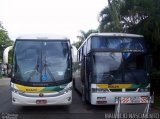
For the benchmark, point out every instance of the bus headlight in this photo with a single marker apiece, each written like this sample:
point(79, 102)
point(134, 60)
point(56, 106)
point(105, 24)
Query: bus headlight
point(143, 90)
point(99, 90)
point(17, 91)
point(66, 90)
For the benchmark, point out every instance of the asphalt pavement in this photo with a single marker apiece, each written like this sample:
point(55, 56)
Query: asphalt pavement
point(77, 110)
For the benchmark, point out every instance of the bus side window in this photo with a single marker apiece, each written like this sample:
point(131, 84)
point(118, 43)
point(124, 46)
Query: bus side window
point(84, 49)
point(88, 45)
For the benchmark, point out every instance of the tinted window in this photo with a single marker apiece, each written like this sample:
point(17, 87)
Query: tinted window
point(88, 45)
point(39, 61)
point(118, 43)
point(135, 68)
point(126, 67)
point(107, 67)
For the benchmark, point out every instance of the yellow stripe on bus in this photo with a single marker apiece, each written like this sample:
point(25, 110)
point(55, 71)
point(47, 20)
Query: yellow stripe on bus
point(28, 89)
point(114, 86)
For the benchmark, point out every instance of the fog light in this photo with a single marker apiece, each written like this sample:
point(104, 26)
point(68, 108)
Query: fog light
point(13, 99)
point(69, 98)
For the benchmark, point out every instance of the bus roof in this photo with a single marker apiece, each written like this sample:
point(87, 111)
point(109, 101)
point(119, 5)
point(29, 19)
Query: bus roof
point(116, 34)
point(41, 36)
point(111, 34)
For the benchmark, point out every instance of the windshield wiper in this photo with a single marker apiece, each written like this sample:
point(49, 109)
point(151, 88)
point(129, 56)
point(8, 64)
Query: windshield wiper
point(48, 70)
point(35, 70)
point(37, 65)
point(111, 79)
point(108, 77)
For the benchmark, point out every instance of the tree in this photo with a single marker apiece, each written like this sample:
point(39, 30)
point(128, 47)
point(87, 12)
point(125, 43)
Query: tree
point(83, 35)
point(120, 15)
point(77, 44)
point(4, 41)
point(134, 11)
point(142, 17)
point(109, 17)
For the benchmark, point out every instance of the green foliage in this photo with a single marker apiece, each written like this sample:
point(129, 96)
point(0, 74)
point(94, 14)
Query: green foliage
point(109, 17)
point(4, 41)
point(155, 82)
point(157, 102)
point(120, 15)
point(77, 44)
point(83, 35)
point(155, 75)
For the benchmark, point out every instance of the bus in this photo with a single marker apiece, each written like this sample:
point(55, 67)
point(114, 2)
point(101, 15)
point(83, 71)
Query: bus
point(111, 65)
point(41, 71)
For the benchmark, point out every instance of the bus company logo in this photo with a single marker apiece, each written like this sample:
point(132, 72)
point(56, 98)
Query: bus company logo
point(113, 86)
point(31, 89)
point(41, 95)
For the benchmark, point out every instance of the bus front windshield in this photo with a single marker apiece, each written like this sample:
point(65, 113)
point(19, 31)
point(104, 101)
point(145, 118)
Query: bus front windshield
point(118, 67)
point(41, 62)
point(106, 67)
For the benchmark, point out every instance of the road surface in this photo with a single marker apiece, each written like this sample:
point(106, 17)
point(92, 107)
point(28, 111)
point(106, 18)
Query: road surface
point(77, 110)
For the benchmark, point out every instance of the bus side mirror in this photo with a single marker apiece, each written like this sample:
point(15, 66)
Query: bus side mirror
point(149, 63)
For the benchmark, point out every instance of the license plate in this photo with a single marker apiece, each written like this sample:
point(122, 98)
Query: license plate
point(41, 102)
point(101, 102)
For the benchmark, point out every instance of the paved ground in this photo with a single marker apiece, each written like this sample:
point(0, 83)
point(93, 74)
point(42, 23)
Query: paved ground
point(77, 110)
point(4, 81)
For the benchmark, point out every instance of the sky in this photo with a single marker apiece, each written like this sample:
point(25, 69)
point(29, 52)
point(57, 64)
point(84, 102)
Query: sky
point(66, 17)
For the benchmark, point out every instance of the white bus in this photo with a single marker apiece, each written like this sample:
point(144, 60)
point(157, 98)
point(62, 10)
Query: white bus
point(42, 71)
point(111, 65)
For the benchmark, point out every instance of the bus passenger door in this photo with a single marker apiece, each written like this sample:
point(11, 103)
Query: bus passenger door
point(87, 77)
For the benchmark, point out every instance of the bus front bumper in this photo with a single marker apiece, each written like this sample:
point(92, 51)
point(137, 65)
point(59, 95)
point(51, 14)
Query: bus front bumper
point(110, 98)
point(64, 99)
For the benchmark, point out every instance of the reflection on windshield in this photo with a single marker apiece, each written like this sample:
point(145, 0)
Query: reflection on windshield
point(134, 67)
point(26, 58)
point(117, 43)
point(119, 68)
point(55, 61)
point(37, 61)
point(107, 67)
